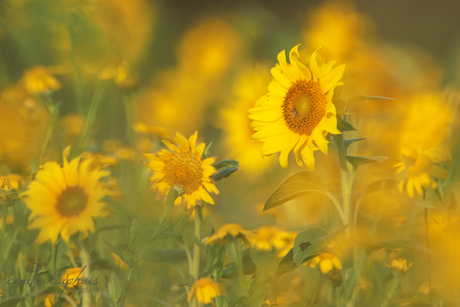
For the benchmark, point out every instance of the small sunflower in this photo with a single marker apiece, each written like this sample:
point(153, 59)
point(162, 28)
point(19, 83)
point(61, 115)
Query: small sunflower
point(420, 169)
point(297, 113)
point(204, 289)
point(326, 262)
point(229, 232)
point(64, 200)
point(39, 80)
point(399, 266)
point(183, 167)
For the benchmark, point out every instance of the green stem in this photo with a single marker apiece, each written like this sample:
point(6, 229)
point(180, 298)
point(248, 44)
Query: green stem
point(394, 288)
point(95, 102)
point(195, 269)
point(85, 260)
point(428, 247)
point(54, 115)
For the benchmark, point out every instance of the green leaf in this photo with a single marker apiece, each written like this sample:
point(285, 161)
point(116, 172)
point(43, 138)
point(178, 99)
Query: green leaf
point(295, 186)
point(114, 287)
point(206, 151)
point(215, 256)
point(356, 161)
point(343, 125)
point(197, 241)
point(310, 242)
point(347, 143)
point(133, 231)
point(169, 255)
point(225, 168)
point(380, 185)
point(286, 264)
point(122, 251)
point(355, 99)
point(231, 269)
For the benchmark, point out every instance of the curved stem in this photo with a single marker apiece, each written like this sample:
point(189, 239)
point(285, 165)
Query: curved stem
point(85, 259)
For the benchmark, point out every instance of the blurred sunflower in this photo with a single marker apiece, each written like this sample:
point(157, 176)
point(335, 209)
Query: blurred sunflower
point(248, 87)
point(204, 289)
point(420, 169)
point(229, 232)
point(297, 113)
point(39, 80)
point(326, 262)
point(183, 167)
point(65, 199)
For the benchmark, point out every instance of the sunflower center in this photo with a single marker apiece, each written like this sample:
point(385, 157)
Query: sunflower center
point(304, 106)
point(72, 201)
point(185, 170)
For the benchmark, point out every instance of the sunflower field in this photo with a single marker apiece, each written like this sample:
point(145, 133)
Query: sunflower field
point(254, 153)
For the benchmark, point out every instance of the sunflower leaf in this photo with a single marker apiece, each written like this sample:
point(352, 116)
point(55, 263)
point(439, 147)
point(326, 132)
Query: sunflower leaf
point(355, 99)
point(114, 287)
point(310, 242)
point(295, 186)
point(343, 125)
point(286, 264)
point(347, 143)
point(225, 168)
point(357, 161)
point(197, 241)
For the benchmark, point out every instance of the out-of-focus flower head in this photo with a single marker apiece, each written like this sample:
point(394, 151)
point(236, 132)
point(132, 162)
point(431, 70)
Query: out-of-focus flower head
point(182, 166)
point(268, 237)
point(399, 266)
point(72, 124)
point(23, 123)
point(297, 113)
point(71, 276)
point(229, 232)
point(153, 131)
point(419, 169)
point(39, 80)
point(204, 290)
point(326, 262)
point(249, 86)
point(179, 97)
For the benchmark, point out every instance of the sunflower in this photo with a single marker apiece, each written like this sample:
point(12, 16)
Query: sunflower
point(420, 169)
point(204, 289)
point(64, 200)
point(297, 113)
point(183, 167)
point(326, 263)
point(229, 232)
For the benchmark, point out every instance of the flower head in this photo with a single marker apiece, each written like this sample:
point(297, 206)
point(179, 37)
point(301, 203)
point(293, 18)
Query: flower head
point(38, 80)
point(326, 262)
point(5, 184)
point(182, 166)
point(204, 289)
point(64, 200)
point(399, 266)
point(229, 232)
point(297, 113)
point(71, 277)
point(420, 169)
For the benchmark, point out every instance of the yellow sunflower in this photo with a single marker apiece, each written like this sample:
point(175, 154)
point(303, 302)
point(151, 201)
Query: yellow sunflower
point(183, 167)
point(420, 169)
point(204, 289)
point(64, 200)
point(297, 113)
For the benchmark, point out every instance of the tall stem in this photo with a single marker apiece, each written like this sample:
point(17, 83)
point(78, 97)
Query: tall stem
point(195, 270)
point(85, 259)
point(427, 246)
